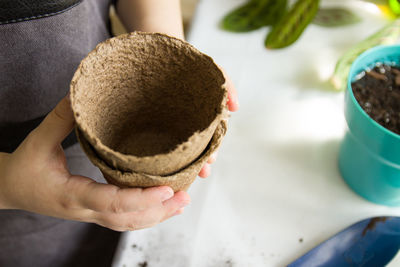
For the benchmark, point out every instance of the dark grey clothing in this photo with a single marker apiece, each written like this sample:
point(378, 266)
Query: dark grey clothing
point(37, 61)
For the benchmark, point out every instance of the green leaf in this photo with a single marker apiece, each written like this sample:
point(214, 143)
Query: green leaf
point(292, 24)
point(253, 15)
point(333, 17)
point(270, 12)
point(387, 35)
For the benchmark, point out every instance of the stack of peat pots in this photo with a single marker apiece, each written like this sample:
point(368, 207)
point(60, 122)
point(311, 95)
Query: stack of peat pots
point(150, 109)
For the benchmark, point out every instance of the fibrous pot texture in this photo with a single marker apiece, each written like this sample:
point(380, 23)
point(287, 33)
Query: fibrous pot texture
point(177, 181)
point(148, 103)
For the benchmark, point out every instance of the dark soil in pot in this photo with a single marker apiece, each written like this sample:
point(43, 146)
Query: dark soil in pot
point(378, 93)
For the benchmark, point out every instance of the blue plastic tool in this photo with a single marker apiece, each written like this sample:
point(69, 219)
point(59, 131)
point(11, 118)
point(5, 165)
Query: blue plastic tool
point(371, 242)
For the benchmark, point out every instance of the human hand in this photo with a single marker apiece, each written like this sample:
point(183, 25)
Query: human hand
point(35, 178)
point(233, 105)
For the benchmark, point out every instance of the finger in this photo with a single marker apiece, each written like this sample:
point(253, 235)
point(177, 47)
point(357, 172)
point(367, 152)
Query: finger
point(112, 199)
point(151, 217)
point(205, 171)
point(212, 158)
point(181, 199)
point(233, 103)
point(56, 126)
point(171, 207)
point(178, 212)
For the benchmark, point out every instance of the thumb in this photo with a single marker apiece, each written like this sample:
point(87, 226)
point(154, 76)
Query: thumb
point(57, 125)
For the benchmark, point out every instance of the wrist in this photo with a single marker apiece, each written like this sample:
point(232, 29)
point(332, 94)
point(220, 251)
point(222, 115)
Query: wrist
point(151, 16)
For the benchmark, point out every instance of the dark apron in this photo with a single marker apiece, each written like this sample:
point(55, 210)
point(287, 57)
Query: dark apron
point(41, 45)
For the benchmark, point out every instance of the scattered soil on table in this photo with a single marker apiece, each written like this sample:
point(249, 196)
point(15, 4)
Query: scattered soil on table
point(134, 246)
point(378, 93)
point(229, 263)
point(142, 264)
point(372, 224)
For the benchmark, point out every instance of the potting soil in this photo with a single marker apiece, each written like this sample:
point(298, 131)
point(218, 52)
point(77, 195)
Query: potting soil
point(378, 93)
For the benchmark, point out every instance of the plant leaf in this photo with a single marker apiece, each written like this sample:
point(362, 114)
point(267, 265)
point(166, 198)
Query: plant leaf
point(270, 12)
point(387, 35)
point(333, 17)
point(253, 15)
point(292, 24)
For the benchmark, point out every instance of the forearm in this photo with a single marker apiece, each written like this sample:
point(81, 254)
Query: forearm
point(151, 16)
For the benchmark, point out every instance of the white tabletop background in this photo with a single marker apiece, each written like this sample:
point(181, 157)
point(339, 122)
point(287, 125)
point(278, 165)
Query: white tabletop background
point(275, 191)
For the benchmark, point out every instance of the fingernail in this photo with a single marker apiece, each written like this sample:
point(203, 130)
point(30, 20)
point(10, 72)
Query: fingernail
point(214, 156)
point(68, 97)
point(178, 212)
point(237, 103)
point(167, 194)
point(185, 203)
point(236, 100)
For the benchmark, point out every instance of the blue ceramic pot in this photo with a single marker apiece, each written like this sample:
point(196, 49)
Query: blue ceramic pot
point(369, 157)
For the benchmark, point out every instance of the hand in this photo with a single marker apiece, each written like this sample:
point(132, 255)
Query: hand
point(233, 105)
point(35, 178)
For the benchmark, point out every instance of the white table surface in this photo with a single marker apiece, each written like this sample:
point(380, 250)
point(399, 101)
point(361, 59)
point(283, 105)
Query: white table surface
point(276, 180)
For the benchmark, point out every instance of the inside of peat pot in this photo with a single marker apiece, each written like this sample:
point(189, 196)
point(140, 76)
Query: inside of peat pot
point(148, 104)
point(378, 93)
